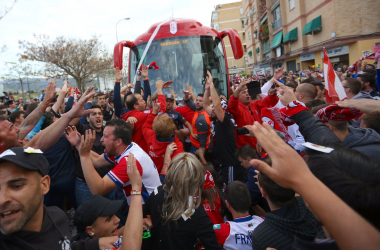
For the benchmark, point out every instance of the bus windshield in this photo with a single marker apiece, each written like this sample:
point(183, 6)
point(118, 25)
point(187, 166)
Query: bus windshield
point(185, 61)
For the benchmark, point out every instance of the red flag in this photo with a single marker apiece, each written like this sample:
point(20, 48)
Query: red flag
point(333, 85)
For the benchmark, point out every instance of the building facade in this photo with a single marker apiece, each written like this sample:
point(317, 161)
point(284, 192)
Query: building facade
point(293, 33)
point(231, 16)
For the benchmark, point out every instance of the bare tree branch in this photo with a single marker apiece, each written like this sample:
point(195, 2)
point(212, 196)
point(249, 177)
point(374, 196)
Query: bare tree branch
point(7, 10)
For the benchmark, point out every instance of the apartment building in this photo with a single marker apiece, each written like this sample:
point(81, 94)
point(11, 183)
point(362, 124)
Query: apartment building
point(230, 16)
point(293, 33)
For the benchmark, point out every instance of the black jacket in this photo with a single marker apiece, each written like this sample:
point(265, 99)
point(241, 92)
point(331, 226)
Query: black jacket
point(180, 234)
point(54, 234)
point(282, 225)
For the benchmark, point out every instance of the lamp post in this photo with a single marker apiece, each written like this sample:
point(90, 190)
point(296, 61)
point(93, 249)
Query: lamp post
point(127, 18)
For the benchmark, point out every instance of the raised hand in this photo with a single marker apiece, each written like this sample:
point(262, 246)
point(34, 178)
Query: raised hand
point(189, 88)
point(278, 73)
point(73, 136)
point(209, 80)
point(118, 74)
point(173, 93)
point(148, 102)
point(288, 168)
point(368, 106)
point(186, 95)
point(86, 143)
point(156, 108)
point(159, 85)
point(50, 91)
point(144, 72)
point(133, 172)
point(170, 148)
point(131, 120)
point(78, 110)
point(167, 85)
point(287, 94)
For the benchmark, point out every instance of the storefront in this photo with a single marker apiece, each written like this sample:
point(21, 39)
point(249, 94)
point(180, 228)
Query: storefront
point(339, 56)
point(307, 60)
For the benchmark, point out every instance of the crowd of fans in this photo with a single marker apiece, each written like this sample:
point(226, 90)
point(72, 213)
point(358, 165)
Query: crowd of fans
point(139, 170)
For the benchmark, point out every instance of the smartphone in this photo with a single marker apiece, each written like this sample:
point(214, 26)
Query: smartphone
point(254, 89)
point(242, 131)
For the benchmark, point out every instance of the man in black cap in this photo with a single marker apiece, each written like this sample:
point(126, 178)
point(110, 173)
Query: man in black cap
point(25, 223)
point(96, 218)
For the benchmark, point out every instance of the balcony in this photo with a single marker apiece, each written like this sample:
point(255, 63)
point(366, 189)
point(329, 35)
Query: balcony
point(262, 7)
point(277, 24)
point(266, 47)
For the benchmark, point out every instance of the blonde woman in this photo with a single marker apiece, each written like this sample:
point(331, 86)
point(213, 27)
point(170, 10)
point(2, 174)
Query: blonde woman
point(175, 209)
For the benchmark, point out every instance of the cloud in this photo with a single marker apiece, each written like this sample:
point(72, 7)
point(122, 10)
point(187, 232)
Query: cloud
point(84, 18)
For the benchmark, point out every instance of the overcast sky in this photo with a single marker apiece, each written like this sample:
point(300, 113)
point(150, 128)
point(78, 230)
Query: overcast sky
point(84, 18)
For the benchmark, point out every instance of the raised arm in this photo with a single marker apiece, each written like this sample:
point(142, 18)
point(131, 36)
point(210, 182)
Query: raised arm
point(289, 170)
point(206, 97)
point(49, 136)
point(61, 97)
point(32, 119)
point(96, 184)
point(219, 112)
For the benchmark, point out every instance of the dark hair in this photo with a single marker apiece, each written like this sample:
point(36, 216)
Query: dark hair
point(237, 195)
point(49, 119)
point(353, 177)
point(354, 84)
point(278, 195)
point(314, 103)
point(3, 118)
point(26, 106)
point(100, 94)
point(246, 151)
point(308, 80)
point(291, 85)
point(372, 121)
point(367, 77)
point(339, 125)
point(371, 65)
point(94, 106)
point(200, 95)
point(122, 130)
point(110, 99)
point(9, 102)
point(15, 115)
point(131, 101)
point(315, 109)
point(126, 95)
point(370, 71)
point(32, 107)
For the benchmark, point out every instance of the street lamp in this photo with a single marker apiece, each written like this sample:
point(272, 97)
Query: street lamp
point(127, 18)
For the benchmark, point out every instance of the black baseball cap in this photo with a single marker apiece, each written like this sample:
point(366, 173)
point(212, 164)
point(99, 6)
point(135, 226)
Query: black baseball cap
point(94, 207)
point(28, 158)
point(169, 96)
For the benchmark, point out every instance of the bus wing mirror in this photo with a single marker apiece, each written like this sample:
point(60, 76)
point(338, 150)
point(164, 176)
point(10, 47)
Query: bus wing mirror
point(233, 35)
point(118, 52)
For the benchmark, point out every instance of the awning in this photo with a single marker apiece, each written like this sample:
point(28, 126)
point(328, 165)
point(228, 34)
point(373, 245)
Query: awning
point(250, 53)
point(313, 25)
point(257, 50)
point(277, 39)
point(273, 8)
point(291, 35)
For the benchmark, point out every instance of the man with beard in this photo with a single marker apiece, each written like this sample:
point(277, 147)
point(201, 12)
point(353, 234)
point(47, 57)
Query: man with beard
point(95, 123)
point(200, 138)
point(224, 133)
point(117, 140)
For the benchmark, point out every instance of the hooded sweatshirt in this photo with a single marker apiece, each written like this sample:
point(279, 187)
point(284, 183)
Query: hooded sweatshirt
point(364, 140)
point(282, 225)
point(157, 145)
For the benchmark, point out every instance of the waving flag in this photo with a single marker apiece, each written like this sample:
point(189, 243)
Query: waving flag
point(333, 86)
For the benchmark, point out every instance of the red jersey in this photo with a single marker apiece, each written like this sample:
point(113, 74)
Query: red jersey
point(247, 116)
point(157, 149)
point(214, 214)
point(186, 112)
point(141, 116)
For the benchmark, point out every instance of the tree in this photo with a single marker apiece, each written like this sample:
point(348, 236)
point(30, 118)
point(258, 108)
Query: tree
point(21, 73)
point(7, 9)
point(81, 59)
